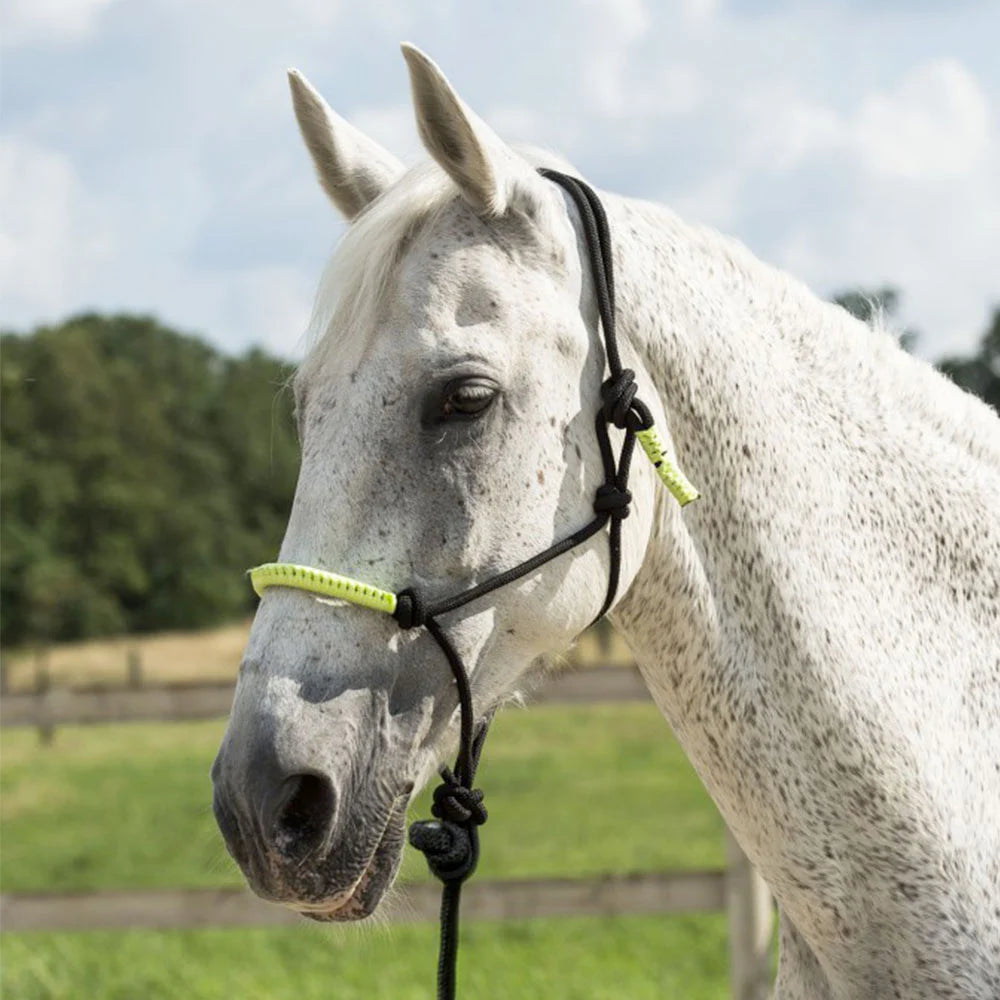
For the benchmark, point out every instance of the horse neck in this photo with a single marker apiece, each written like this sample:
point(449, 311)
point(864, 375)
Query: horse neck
point(798, 597)
point(691, 306)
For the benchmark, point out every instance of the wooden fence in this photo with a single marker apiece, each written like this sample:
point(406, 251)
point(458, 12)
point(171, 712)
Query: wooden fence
point(52, 707)
point(510, 899)
point(737, 890)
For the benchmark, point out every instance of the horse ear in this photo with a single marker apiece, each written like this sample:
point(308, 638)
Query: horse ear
point(484, 167)
point(352, 168)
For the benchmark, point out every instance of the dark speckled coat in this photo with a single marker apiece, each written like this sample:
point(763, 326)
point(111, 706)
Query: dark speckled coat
point(822, 629)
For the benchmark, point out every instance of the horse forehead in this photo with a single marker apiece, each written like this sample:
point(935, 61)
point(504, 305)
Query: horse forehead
point(440, 280)
point(462, 262)
point(473, 307)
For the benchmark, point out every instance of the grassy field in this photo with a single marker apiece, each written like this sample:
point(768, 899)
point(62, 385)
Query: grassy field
point(572, 791)
point(187, 658)
point(638, 958)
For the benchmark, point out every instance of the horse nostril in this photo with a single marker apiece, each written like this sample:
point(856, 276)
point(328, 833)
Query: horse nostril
point(306, 813)
point(230, 830)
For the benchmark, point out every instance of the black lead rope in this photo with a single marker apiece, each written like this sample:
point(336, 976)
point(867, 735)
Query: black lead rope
point(450, 841)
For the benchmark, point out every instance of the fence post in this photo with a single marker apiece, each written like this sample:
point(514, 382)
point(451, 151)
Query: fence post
point(750, 912)
point(43, 685)
point(134, 668)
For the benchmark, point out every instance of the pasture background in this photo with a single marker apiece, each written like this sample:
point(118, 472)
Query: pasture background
point(144, 471)
point(574, 791)
point(151, 184)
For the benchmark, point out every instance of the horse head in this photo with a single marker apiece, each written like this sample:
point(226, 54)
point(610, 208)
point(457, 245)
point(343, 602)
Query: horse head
point(446, 415)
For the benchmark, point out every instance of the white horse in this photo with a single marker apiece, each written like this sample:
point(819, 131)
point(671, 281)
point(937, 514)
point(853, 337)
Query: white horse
point(821, 630)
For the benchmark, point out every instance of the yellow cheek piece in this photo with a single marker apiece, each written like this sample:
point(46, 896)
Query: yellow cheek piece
point(319, 581)
point(455, 799)
point(669, 474)
point(344, 588)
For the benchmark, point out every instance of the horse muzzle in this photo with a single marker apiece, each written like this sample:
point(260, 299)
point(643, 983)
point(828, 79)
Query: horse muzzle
point(295, 847)
point(311, 802)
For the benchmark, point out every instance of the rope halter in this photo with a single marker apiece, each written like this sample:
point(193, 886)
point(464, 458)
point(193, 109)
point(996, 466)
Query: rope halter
point(450, 841)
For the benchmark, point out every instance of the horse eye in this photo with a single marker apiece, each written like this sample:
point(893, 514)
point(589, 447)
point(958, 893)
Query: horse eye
point(468, 398)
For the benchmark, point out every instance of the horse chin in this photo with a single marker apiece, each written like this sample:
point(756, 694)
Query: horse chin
point(361, 899)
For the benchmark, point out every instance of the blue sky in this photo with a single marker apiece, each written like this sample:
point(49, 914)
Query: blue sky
point(149, 158)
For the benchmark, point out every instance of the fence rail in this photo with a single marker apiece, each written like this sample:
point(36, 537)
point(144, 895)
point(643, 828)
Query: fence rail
point(610, 895)
point(737, 890)
point(64, 706)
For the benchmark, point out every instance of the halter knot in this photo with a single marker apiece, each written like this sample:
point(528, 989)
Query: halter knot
point(612, 500)
point(456, 803)
point(452, 851)
point(410, 610)
point(450, 843)
point(619, 404)
point(617, 393)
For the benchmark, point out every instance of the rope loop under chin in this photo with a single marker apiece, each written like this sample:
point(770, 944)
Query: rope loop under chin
point(450, 841)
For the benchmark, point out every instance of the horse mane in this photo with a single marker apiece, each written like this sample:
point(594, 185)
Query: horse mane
point(360, 272)
point(860, 363)
point(361, 268)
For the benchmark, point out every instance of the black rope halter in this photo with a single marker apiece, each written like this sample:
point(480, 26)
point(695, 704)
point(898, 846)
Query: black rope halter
point(450, 841)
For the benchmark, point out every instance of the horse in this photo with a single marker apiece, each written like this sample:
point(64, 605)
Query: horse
point(821, 629)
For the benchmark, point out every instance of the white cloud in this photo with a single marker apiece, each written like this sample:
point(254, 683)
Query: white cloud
point(900, 187)
point(391, 125)
point(629, 18)
point(321, 13)
point(934, 124)
point(50, 20)
point(948, 277)
point(924, 207)
point(52, 239)
point(271, 306)
point(714, 200)
point(156, 163)
point(789, 131)
point(617, 26)
point(663, 89)
point(700, 10)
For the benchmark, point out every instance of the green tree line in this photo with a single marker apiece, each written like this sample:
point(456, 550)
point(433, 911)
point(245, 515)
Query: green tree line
point(144, 471)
